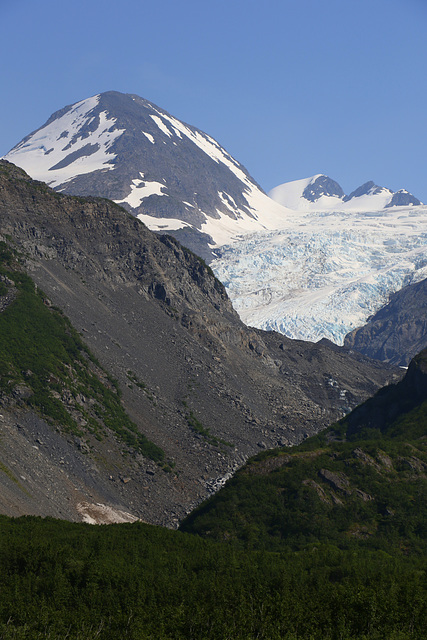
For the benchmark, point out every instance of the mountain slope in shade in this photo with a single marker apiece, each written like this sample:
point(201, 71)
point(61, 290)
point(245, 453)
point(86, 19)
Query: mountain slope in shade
point(170, 174)
point(361, 482)
point(398, 331)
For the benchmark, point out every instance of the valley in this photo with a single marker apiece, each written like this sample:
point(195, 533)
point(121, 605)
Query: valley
point(213, 321)
point(196, 382)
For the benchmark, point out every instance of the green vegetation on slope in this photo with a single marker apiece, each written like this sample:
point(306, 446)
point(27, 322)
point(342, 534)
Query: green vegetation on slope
point(65, 580)
point(326, 541)
point(45, 364)
point(362, 483)
point(365, 495)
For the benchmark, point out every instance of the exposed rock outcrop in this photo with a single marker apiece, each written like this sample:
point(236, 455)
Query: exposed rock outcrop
point(197, 382)
point(398, 331)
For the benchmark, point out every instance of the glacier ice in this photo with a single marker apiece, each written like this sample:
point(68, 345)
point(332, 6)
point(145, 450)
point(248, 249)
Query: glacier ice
point(327, 272)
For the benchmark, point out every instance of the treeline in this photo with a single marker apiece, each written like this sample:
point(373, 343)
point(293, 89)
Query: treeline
point(135, 581)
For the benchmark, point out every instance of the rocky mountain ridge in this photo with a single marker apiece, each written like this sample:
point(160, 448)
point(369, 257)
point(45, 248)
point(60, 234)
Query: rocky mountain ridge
point(321, 193)
point(197, 382)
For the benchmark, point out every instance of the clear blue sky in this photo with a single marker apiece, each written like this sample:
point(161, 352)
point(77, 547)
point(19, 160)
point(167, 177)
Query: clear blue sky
point(289, 88)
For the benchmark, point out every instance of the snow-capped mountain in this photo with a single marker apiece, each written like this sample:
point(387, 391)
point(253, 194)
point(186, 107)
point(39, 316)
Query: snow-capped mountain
point(321, 193)
point(308, 261)
point(336, 263)
point(171, 175)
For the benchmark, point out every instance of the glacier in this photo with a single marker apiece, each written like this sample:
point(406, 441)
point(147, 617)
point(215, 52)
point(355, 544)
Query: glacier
point(306, 260)
point(327, 272)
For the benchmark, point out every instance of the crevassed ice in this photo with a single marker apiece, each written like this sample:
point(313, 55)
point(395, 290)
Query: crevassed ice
point(325, 274)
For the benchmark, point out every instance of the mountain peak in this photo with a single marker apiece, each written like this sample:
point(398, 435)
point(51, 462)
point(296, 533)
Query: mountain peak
point(171, 175)
point(368, 188)
point(320, 186)
point(318, 190)
point(403, 198)
point(321, 193)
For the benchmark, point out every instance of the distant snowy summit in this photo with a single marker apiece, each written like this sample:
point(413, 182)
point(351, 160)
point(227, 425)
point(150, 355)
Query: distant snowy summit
point(309, 261)
point(321, 193)
point(174, 177)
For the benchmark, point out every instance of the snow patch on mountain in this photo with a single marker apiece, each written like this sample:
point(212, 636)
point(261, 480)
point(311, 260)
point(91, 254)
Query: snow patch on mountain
point(141, 189)
point(159, 122)
point(162, 224)
point(264, 214)
point(149, 136)
point(59, 152)
point(291, 192)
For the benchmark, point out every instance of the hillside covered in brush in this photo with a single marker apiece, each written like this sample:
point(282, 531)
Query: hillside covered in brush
point(362, 482)
point(326, 541)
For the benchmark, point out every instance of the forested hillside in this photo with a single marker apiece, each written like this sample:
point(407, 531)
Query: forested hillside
point(325, 541)
point(138, 582)
point(361, 483)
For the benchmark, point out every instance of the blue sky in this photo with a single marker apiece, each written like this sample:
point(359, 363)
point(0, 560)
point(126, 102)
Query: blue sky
point(289, 88)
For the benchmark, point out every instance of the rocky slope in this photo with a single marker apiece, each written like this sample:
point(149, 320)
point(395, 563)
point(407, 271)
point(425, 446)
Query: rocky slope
point(398, 331)
point(360, 483)
point(197, 382)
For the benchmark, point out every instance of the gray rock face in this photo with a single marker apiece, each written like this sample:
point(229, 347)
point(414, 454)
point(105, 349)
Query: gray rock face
point(323, 186)
point(337, 481)
point(193, 177)
point(208, 389)
point(366, 188)
point(403, 198)
point(398, 331)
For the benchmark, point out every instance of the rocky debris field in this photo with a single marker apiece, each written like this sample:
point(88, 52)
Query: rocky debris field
point(197, 382)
